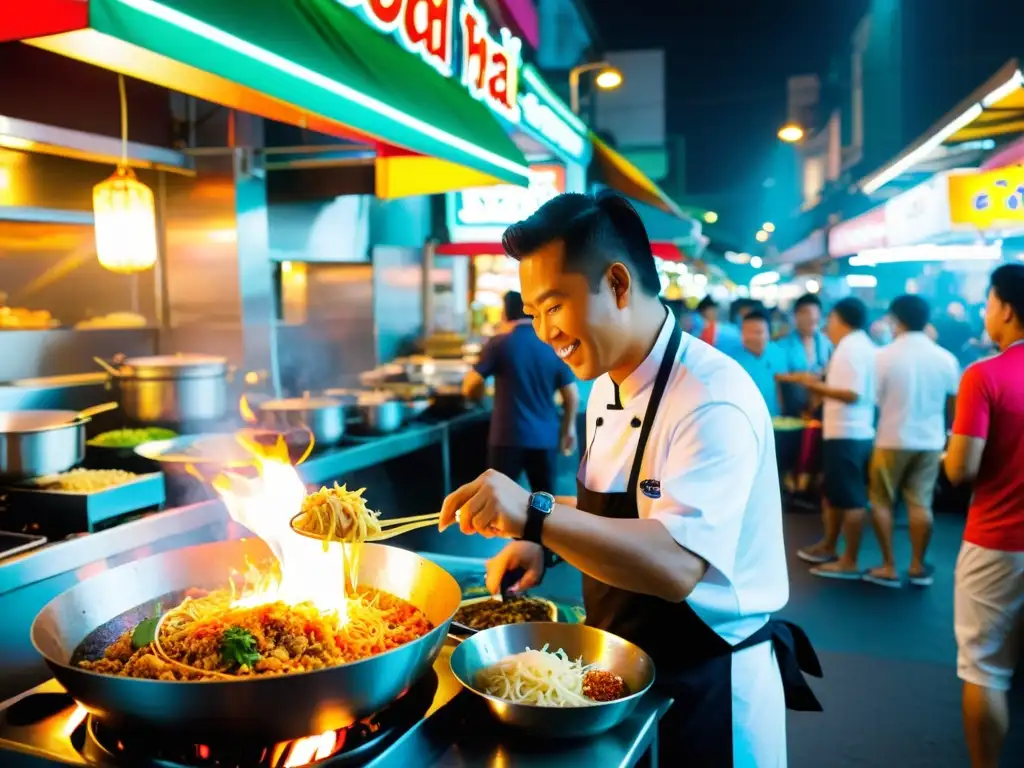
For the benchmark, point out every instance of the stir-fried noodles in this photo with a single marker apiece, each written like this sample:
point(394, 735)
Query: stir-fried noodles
point(206, 638)
point(545, 679)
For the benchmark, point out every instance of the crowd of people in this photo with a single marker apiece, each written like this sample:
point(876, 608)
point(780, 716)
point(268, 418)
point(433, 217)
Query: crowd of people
point(896, 412)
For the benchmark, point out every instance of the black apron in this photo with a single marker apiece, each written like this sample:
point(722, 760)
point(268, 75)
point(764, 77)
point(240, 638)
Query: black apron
point(693, 662)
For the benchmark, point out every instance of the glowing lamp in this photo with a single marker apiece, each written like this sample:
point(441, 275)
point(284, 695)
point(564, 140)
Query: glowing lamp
point(608, 79)
point(791, 133)
point(710, 217)
point(125, 223)
point(761, 236)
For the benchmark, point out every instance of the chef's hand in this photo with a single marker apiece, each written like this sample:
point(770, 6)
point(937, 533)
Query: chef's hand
point(523, 555)
point(492, 505)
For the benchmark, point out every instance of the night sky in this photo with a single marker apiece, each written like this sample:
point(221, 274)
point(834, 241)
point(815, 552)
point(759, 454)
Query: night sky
point(728, 60)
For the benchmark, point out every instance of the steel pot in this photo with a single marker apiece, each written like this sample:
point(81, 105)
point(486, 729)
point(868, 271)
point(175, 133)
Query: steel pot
point(323, 416)
point(378, 414)
point(37, 443)
point(173, 389)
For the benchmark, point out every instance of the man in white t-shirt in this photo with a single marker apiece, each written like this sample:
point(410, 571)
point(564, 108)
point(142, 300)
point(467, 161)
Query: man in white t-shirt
point(848, 430)
point(677, 523)
point(916, 379)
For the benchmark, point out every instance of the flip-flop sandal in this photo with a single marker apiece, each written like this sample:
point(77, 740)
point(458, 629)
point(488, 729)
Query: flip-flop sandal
point(923, 578)
point(893, 582)
point(827, 573)
point(813, 557)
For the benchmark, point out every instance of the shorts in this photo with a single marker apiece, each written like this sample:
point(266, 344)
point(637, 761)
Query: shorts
point(845, 464)
point(988, 603)
point(914, 474)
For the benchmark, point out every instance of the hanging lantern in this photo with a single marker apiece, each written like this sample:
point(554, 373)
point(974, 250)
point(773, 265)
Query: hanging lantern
point(125, 223)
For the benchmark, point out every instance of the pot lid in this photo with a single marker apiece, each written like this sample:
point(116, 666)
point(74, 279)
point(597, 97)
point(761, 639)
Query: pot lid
point(178, 366)
point(16, 422)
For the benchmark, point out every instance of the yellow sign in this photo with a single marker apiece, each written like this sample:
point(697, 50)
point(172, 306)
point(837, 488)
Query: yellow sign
point(988, 200)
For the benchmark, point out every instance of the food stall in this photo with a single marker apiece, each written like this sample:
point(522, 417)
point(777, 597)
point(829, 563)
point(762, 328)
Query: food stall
point(230, 110)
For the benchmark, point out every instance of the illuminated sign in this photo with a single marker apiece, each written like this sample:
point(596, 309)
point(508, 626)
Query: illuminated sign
point(990, 200)
point(490, 68)
point(423, 27)
point(858, 234)
point(483, 213)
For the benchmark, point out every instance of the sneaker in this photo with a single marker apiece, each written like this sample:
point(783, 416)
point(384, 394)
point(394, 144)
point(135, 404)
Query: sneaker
point(924, 577)
point(814, 558)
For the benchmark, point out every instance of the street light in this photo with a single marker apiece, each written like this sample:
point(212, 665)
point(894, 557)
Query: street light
point(761, 236)
point(710, 217)
point(791, 133)
point(768, 227)
point(607, 79)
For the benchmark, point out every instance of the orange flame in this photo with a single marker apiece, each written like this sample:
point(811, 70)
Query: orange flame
point(248, 416)
point(311, 749)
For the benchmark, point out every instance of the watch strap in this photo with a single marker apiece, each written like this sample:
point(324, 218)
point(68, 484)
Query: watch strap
point(534, 524)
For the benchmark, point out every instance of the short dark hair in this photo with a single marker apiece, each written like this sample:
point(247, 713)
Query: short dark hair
point(807, 300)
point(513, 302)
point(852, 311)
point(1007, 283)
point(597, 231)
point(911, 311)
point(758, 315)
point(707, 303)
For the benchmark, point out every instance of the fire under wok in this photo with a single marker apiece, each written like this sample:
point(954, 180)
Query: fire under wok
point(83, 621)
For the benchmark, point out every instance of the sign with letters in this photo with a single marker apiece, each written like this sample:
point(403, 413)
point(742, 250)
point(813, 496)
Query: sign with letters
point(483, 213)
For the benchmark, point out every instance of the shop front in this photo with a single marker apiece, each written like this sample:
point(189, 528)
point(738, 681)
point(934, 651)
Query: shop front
point(377, 95)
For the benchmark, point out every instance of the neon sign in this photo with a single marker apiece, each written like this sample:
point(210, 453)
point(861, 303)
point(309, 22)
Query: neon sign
point(482, 214)
point(423, 27)
point(490, 68)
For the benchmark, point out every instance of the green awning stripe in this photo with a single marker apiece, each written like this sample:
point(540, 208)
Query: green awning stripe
point(319, 56)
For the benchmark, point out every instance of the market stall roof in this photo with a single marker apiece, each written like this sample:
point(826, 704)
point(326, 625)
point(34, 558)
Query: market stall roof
point(663, 250)
point(620, 174)
point(993, 112)
point(311, 63)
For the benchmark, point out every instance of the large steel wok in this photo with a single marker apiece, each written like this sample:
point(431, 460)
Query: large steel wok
point(281, 707)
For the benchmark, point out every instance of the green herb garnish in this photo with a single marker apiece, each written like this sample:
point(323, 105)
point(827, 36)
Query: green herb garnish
point(130, 438)
point(145, 631)
point(238, 647)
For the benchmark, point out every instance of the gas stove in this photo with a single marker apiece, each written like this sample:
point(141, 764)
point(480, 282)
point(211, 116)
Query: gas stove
point(45, 727)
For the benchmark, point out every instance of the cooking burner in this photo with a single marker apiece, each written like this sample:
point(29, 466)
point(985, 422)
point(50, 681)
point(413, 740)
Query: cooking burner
point(105, 744)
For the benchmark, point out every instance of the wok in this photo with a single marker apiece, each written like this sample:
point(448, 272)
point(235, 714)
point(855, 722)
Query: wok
point(96, 611)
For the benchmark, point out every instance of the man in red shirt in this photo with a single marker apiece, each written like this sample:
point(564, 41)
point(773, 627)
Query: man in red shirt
point(987, 449)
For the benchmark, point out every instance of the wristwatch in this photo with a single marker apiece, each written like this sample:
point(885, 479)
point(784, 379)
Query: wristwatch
point(537, 512)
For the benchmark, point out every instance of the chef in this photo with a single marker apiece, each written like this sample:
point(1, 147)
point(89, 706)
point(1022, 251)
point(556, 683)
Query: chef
point(677, 523)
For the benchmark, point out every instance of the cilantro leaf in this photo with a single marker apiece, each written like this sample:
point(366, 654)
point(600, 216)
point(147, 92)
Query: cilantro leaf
point(145, 631)
point(238, 647)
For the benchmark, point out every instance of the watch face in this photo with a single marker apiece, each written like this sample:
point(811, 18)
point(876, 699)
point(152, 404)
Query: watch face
point(542, 502)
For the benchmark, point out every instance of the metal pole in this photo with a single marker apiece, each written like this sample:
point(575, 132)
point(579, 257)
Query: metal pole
point(574, 90)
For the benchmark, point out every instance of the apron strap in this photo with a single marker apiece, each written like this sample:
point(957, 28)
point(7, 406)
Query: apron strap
point(796, 657)
point(660, 382)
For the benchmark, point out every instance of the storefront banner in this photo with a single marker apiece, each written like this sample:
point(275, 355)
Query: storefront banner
point(858, 234)
point(919, 214)
point(453, 36)
point(455, 44)
point(992, 200)
point(485, 212)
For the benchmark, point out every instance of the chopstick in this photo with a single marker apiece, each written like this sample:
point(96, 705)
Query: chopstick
point(391, 527)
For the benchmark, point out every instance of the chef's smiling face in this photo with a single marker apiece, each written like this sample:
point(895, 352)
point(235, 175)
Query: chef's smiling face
point(587, 327)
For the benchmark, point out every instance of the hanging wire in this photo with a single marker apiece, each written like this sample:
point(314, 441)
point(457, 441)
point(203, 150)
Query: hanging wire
point(124, 120)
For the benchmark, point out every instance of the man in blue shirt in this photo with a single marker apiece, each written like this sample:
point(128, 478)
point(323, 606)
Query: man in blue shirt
point(806, 348)
point(762, 359)
point(526, 430)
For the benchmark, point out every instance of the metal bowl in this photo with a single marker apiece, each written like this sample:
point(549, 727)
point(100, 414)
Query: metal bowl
point(37, 443)
point(594, 646)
